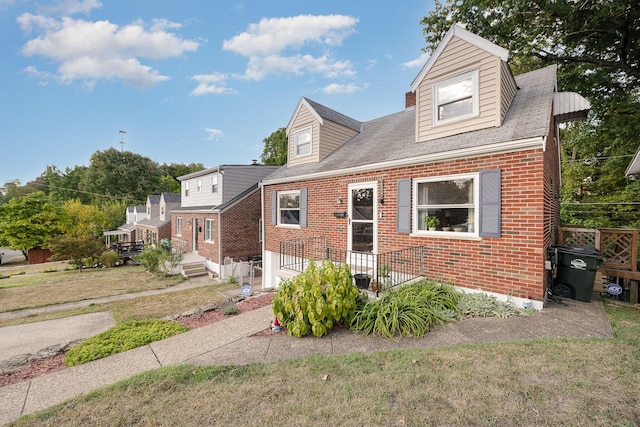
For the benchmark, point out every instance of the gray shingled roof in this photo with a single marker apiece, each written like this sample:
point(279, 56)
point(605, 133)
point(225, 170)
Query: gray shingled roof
point(392, 137)
point(334, 116)
point(171, 197)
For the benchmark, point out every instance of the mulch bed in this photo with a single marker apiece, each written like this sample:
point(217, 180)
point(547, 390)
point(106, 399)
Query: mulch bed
point(54, 363)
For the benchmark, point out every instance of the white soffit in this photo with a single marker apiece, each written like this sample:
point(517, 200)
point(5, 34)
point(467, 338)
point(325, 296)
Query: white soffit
point(634, 166)
point(569, 106)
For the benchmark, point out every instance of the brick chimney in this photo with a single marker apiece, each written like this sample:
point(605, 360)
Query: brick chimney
point(409, 99)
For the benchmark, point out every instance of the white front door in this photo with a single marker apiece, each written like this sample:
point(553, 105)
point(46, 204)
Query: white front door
point(363, 211)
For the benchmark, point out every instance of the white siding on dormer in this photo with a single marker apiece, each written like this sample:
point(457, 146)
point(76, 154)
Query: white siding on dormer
point(332, 136)
point(205, 197)
point(508, 89)
point(459, 57)
point(303, 120)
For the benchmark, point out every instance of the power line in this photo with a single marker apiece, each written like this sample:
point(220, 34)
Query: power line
point(124, 199)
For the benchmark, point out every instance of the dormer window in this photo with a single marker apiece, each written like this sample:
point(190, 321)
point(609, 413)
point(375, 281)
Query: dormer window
point(303, 142)
point(186, 189)
point(455, 98)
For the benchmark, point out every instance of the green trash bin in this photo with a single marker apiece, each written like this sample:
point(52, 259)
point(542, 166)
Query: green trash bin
point(577, 267)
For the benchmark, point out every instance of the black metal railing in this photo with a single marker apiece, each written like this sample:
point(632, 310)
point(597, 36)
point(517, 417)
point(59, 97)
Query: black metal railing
point(370, 270)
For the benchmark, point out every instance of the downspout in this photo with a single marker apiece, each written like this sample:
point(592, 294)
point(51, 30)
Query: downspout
point(263, 250)
point(220, 243)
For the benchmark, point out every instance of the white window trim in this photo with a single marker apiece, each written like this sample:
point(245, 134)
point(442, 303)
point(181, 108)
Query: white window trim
point(416, 232)
point(179, 226)
point(199, 186)
point(295, 142)
point(212, 230)
point(186, 189)
point(278, 223)
point(450, 81)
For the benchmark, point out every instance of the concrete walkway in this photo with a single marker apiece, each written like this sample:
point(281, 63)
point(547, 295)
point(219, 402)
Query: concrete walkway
point(234, 342)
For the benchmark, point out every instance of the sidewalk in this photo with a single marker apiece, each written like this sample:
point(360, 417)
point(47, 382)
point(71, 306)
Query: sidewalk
point(234, 341)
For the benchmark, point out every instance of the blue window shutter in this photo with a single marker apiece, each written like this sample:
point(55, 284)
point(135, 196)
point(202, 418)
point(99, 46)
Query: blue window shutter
point(403, 224)
point(303, 207)
point(274, 207)
point(490, 203)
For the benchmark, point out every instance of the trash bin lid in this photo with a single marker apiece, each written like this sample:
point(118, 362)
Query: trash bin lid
point(580, 250)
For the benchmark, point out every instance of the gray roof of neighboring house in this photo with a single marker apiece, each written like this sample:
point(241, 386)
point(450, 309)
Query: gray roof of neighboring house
point(171, 197)
point(154, 199)
point(155, 222)
point(220, 168)
point(392, 137)
point(219, 207)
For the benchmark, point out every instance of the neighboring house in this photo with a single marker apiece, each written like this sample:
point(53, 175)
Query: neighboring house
point(474, 147)
point(220, 213)
point(126, 233)
point(157, 223)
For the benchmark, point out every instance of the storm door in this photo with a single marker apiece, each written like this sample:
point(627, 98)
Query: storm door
point(362, 218)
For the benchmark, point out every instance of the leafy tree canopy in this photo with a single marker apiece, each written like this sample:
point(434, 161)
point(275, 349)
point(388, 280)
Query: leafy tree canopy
point(276, 147)
point(27, 222)
point(596, 45)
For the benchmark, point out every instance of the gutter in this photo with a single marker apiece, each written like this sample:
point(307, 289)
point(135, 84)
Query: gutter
point(484, 150)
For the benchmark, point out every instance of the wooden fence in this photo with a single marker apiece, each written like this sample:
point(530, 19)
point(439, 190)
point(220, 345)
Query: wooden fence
point(618, 247)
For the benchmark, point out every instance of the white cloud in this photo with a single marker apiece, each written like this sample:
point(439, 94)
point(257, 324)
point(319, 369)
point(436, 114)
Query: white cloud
point(214, 134)
point(70, 7)
point(42, 76)
point(100, 50)
point(211, 84)
point(336, 88)
point(416, 63)
point(273, 45)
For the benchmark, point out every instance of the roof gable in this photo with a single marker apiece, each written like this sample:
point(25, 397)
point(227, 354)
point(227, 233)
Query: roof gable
point(457, 31)
point(320, 113)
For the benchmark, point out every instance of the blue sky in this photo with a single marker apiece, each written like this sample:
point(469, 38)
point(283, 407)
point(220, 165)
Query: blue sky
point(190, 81)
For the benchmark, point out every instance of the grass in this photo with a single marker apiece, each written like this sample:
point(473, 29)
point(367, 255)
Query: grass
point(139, 308)
point(553, 382)
point(42, 289)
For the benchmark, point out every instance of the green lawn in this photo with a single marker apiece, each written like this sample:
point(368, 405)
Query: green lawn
point(554, 382)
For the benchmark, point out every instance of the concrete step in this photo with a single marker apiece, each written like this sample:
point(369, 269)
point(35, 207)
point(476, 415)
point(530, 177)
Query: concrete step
point(194, 269)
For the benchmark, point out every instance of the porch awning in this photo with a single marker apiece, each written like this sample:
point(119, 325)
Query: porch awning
point(570, 106)
point(116, 233)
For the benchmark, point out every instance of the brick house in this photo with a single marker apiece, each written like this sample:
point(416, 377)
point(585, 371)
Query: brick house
point(157, 223)
point(475, 147)
point(220, 213)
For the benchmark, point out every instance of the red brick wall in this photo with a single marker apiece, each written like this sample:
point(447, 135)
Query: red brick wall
point(512, 264)
point(240, 229)
point(237, 227)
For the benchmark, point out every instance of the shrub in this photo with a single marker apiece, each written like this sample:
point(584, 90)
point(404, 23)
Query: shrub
point(484, 305)
point(412, 310)
point(126, 336)
point(231, 309)
point(109, 258)
point(316, 300)
point(159, 260)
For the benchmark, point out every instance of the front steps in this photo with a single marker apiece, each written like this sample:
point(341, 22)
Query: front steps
point(194, 269)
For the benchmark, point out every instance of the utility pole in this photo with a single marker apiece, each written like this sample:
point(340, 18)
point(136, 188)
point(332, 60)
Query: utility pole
point(122, 132)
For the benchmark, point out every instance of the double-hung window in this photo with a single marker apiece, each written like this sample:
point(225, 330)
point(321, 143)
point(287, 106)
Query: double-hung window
point(179, 226)
point(449, 202)
point(214, 184)
point(199, 186)
point(208, 230)
point(303, 142)
point(455, 98)
point(186, 189)
point(289, 208)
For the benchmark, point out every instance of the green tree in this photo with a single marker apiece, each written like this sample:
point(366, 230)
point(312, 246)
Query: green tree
point(170, 173)
point(27, 222)
point(276, 148)
point(82, 219)
point(595, 45)
point(81, 249)
point(120, 175)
